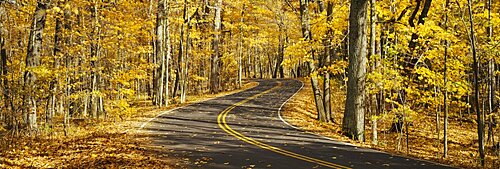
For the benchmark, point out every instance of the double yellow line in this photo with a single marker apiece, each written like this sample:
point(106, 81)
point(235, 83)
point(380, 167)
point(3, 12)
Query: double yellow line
point(221, 120)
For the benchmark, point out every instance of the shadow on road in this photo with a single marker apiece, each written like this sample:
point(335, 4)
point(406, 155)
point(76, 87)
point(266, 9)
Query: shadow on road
point(193, 132)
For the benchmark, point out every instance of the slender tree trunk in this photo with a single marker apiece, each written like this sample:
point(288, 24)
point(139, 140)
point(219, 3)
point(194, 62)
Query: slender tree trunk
point(480, 117)
point(166, 36)
point(353, 122)
point(240, 46)
point(307, 34)
point(184, 61)
point(373, 34)
point(445, 101)
point(491, 79)
point(438, 130)
point(278, 70)
point(281, 49)
point(67, 64)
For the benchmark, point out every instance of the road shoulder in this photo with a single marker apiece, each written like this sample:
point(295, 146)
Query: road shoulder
point(300, 113)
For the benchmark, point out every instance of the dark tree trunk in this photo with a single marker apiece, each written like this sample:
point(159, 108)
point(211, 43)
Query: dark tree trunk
point(4, 70)
point(475, 67)
point(214, 78)
point(353, 122)
point(33, 60)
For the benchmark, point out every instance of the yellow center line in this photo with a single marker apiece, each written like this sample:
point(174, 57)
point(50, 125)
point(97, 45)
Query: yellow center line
point(221, 120)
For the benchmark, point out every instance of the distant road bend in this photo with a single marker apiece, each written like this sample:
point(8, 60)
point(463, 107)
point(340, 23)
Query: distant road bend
point(243, 130)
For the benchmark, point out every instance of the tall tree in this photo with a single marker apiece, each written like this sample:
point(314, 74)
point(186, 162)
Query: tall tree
point(214, 72)
point(240, 46)
point(183, 59)
point(475, 67)
point(373, 35)
point(354, 115)
point(329, 52)
point(162, 53)
point(95, 94)
point(307, 35)
point(445, 79)
point(54, 86)
point(3, 67)
point(33, 60)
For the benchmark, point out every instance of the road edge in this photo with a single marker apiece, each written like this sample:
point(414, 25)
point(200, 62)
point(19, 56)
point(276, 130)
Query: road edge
point(298, 128)
point(349, 144)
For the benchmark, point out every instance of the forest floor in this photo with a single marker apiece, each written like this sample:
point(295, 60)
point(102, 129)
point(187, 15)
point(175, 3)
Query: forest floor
point(91, 143)
point(423, 144)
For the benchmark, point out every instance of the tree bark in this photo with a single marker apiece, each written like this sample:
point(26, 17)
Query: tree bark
point(184, 61)
point(307, 35)
point(94, 52)
point(161, 56)
point(329, 52)
point(33, 60)
point(480, 117)
point(4, 70)
point(67, 64)
point(445, 79)
point(240, 49)
point(373, 34)
point(321, 5)
point(54, 88)
point(166, 37)
point(353, 122)
point(214, 78)
point(281, 51)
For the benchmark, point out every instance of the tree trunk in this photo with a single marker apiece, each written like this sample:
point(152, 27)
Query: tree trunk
point(307, 34)
point(353, 122)
point(162, 52)
point(4, 71)
point(94, 52)
point(33, 60)
point(240, 47)
point(281, 50)
point(321, 5)
point(166, 37)
point(445, 78)
point(329, 52)
point(480, 117)
point(278, 70)
point(214, 78)
point(373, 34)
point(184, 61)
point(67, 64)
point(52, 104)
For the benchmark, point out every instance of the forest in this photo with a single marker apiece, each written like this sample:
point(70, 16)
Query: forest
point(395, 61)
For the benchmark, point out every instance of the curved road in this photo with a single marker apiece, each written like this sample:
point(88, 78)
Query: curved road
point(243, 130)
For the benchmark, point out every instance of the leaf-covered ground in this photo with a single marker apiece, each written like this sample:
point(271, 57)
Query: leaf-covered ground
point(102, 146)
point(423, 144)
point(95, 144)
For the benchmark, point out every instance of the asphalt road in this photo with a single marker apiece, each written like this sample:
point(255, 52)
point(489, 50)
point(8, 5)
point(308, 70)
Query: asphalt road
point(243, 130)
